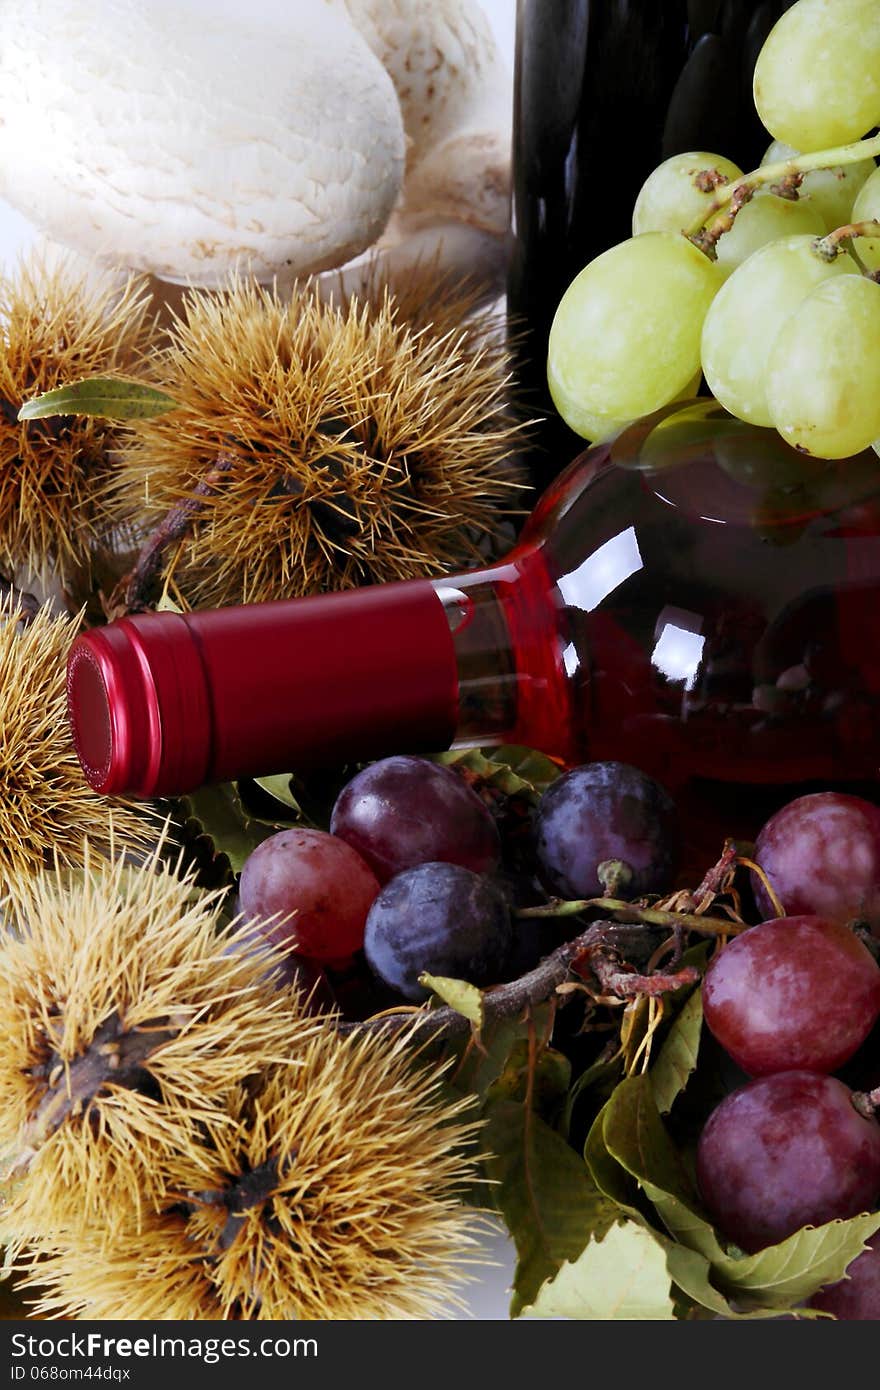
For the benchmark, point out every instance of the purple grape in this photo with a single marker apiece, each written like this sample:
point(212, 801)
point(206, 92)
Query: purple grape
point(821, 854)
point(855, 1297)
point(440, 918)
point(405, 811)
point(764, 993)
point(787, 1151)
point(318, 879)
point(603, 811)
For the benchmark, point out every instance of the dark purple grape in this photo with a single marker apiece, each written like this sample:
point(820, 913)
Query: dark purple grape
point(856, 1297)
point(821, 854)
point(319, 879)
point(441, 918)
point(603, 811)
point(787, 1151)
point(798, 993)
point(405, 811)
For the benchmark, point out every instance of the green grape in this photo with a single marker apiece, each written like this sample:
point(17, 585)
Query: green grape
point(766, 218)
point(823, 372)
point(747, 314)
point(598, 429)
point(626, 336)
point(672, 198)
point(832, 192)
point(817, 78)
point(867, 209)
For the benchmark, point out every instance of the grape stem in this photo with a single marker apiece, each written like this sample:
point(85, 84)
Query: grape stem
point(632, 912)
point(135, 587)
point(788, 174)
point(830, 247)
point(867, 1102)
point(601, 945)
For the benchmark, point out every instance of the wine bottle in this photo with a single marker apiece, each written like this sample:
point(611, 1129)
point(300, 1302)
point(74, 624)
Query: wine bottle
point(602, 94)
point(694, 597)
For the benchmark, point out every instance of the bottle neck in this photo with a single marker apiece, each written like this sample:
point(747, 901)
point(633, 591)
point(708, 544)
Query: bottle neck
point(161, 703)
point(512, 685)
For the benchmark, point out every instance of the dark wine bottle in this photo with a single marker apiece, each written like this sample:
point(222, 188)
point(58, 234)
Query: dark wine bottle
point(604, 91)
point(695, 598)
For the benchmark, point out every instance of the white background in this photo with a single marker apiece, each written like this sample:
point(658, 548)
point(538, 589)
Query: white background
point(488, 1297)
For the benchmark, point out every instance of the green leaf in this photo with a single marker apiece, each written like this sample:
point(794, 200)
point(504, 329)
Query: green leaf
point(545, 1194)
point(464, 998)
point(166, 604)
point(777, 1277)
point(622, 1276)
point(677, 1058)
point(692, 1275)
point(107, 397)
point(635, 1135)
point(550, 1079)
point(598, 1075)
point(794, 1269)
point(278, 787)
point(217, 812)
point(479, 1066)
point(611, 1179)
point(512, 770)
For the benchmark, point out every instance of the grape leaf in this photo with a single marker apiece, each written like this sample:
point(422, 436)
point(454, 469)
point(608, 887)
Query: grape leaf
point(789, 1272)
point(278, 786)
point(777, 1277)
point(512, 770)
point(217, 811)
point(677, 1058)
point(635, 1135)
point(465, 998)
point(544, 1192)
point(106, 397)
point(622, 1276)
point(612, 1180)
point(550, 1079)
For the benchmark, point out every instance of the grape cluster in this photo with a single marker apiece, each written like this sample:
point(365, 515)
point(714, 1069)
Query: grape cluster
point(412, 871)
point(414, 877)
point(791, 1000)
point(763, 282)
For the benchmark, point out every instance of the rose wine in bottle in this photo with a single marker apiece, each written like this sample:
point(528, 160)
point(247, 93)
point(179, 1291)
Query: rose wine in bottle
point(603, 93)
point(695, 598)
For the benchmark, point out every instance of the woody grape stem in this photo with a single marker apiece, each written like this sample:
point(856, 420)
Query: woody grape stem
point(172, 529)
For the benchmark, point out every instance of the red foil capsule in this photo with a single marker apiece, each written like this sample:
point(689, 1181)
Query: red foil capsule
point(161, 703)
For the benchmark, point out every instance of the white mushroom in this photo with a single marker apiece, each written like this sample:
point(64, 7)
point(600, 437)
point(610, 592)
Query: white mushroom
point(455, 93)
point(190, 139)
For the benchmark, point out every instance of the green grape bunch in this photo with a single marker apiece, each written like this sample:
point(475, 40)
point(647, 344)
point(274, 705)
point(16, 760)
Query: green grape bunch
point(767, 284)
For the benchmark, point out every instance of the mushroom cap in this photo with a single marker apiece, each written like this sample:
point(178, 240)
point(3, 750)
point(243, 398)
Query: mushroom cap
point(445, 65)
point(192, 139)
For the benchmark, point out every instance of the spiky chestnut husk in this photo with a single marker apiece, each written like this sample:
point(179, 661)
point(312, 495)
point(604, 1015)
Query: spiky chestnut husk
point(332, 1194)
point(47, 809)
point(127, 1017)
point(363, 450)
point(58, 325)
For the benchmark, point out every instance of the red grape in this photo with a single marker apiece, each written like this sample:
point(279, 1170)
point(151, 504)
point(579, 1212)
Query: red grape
point(320, 879)
point(439, 918)
point(798, 993)
point(787, 1151)
point(821, 854)
point(404, 811)
point(603, 811)
point(856, 1297)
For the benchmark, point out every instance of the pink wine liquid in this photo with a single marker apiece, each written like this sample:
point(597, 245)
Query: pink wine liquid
point(696, 599)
